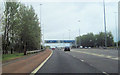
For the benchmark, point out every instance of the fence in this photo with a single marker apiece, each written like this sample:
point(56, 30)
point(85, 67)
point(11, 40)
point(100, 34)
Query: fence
point(34, 51)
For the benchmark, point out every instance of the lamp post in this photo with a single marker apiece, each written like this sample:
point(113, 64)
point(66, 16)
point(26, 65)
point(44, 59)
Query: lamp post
point(43, 35)
point(79, 34)
point(105, 24)
point(40, 25)
point(76, 42)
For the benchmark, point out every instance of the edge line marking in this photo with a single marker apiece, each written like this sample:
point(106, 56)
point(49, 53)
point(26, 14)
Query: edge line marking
point(36, 69)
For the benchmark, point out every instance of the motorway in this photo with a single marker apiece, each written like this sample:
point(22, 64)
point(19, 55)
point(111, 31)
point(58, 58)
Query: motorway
point(82, 61)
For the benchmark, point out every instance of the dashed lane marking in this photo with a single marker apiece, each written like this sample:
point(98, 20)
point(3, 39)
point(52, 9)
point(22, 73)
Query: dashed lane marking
point(82, 60)
point(105, 73)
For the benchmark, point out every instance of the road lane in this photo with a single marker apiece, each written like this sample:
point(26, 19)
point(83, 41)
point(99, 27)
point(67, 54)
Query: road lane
point(60, 62)
point(94, 58)
point(113, 53)
point(98, 54)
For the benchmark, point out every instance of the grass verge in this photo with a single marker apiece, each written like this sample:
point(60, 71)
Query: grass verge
point(7, 57)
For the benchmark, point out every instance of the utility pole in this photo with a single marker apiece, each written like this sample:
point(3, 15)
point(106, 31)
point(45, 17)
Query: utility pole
point(79, 34)
point(76, 42)
point(40, 26)
point(80, 37)
point(43, 35)
point(105, 24)
point(116, 29)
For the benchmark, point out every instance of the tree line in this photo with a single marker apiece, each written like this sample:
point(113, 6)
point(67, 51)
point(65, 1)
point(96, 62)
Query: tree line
point(21, 28)
point(95, 40)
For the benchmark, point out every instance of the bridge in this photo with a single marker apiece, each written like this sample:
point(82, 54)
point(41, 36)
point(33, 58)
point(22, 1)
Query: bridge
point(59, 43)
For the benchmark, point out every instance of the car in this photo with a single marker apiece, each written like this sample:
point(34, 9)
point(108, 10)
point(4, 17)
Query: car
point(104, 48)
point(89, 47)
point(67, 49)
point(53, 48)
point(85, 47)
point(81, 46)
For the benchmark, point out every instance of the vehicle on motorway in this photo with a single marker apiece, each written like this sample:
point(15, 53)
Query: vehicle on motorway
point(53, 48)
point(67, 49)
point(104, 48)
point(85, 47)
point(81, 46)
point(89, 47)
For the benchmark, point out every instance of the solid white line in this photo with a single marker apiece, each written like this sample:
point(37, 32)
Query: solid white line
point(105, 73)
point(115, 58)
point(35, 71)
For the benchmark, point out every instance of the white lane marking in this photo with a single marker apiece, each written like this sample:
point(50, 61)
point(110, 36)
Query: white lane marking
point(109, 56)
point(100, 55)
point(35, 71)
point(82, 60)
point(115, 58)
point(105, 73)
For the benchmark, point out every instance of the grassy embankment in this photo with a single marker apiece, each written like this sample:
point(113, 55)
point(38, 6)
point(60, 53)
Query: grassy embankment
point(7, 57)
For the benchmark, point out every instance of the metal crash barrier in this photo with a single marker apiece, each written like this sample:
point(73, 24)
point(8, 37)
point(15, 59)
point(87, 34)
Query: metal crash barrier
point(34, 51)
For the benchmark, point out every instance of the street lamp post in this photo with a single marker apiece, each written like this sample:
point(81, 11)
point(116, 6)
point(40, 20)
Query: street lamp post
point(40, 25)
point(43, 35)
point(79, 35)
point(76, 42)
point(105, 24)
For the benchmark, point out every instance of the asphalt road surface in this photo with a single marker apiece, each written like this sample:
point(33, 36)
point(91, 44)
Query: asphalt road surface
point(103, 60)
point(81, 61)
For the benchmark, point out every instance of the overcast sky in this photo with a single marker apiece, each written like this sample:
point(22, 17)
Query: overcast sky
point(60, 17)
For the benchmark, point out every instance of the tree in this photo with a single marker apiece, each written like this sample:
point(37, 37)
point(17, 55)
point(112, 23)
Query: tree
point(96, 40)
point(86, 40)
point(13, 23)
point(21, 28)
point(110, 41)
point(11, 9)
point(100, 39)
point(30, 30)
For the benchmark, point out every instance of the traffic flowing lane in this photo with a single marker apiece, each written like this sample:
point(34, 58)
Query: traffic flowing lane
point(98, 58)
point(61, 62)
